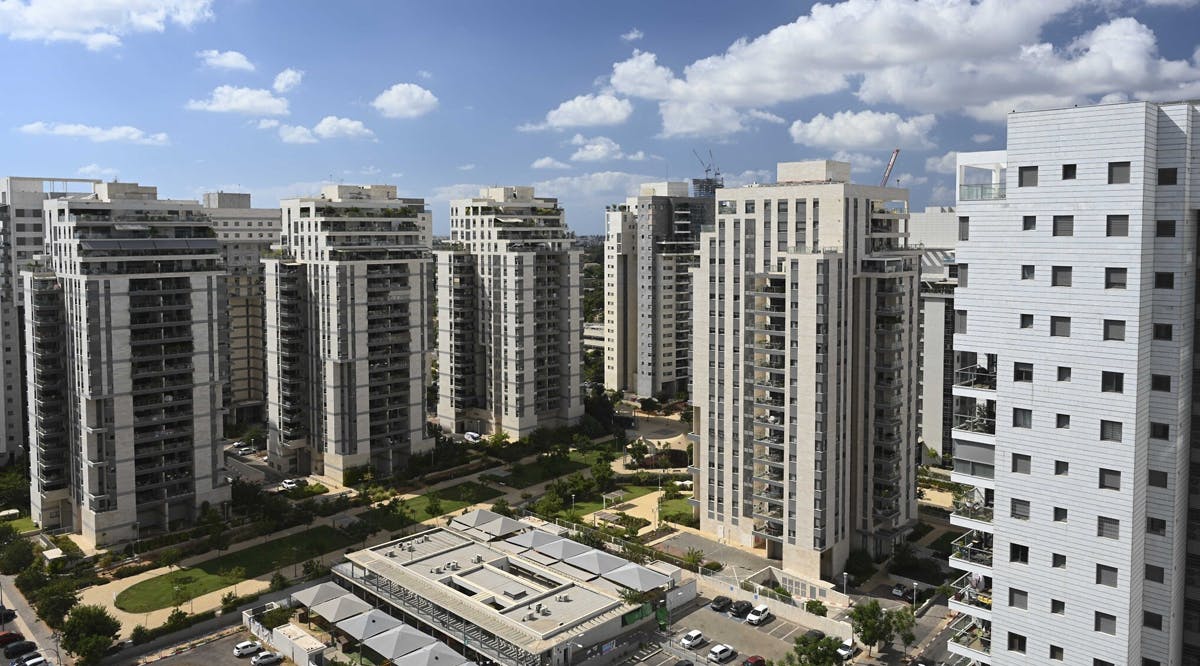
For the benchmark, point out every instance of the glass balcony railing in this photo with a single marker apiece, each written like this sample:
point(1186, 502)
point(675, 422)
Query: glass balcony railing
point(973, 590)
point(974, 547)
point(972, 634)
point(981, 192)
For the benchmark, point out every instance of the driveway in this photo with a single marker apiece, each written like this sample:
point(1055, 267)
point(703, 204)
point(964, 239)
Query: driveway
point(772, 639)
point(216, 653)
point(737, 562)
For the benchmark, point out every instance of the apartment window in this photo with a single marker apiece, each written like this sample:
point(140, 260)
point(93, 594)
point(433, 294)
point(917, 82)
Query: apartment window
point(1164, 228)
point(960, 321)
point(1155, 574)
point(1064, 373)
point(1062, 421)
point(1150, 662)
point(1026, 321)
point(1157, 478)
point(1114, 329)
point(748, 207)
point(1027, 176)
point(1022, 418)
point(1022, 372)
point(1110, 479)
point(1061, 468)
point(1060, 327)
point(1060, 276)
point(1058, 606)
point(1101, 662)
point(1110, 431)
point(1106, 623)
point(1114, 278)
point(1118, 173)
point(1068, 172)
point(1064, 225)
point(1028, 272)
point(964, 228)
point(1029, 223)
point(1160, 383)
point(1156, 526)
point(1056, 653)
point(1112, 382)
point(1018, 553)
point(1163, 332)
point(1020, 463)
point(1058, 561)
point(1106, 575)
point(1160, 430)
point(1060, 514)
point(1164, 280)
point(1168, 176)
point(1117, 225)
point(1151, 620)
point(1109, 528)
point(1016, 643)
point(1018, 598)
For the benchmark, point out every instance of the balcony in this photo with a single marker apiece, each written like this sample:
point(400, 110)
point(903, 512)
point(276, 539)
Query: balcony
point(977, 423)
point(971, 638)
point(972, 513)
point(972, 595)
point(972, 552)
point(981, 192)
point(768, 531)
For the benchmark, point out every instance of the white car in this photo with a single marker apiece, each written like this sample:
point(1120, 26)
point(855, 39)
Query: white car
point(720, 653)
point(244, 450)
point(472, 437)
point(846, 649)
point(692, 639)
point(289, 484)
point(759, 614)
point(266, 659)
point(246, 648)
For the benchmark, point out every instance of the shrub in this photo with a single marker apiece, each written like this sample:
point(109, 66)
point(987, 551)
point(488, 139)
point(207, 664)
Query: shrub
point(860, 565)
point(713, 565)
point(276, 617)
point(133, 570)
point(815, 607)
point(140, 635)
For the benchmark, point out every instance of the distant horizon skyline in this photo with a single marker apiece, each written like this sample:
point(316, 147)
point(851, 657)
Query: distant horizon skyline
point(583, 102)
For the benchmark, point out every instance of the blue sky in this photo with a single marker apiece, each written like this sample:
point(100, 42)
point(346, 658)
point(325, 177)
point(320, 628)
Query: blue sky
point(582, 99)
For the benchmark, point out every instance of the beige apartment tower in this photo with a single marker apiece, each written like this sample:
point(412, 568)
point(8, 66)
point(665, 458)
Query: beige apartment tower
point(805, 369)
point(509, 325)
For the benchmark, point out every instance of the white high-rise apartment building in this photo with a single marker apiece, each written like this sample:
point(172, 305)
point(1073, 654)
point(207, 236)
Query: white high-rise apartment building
point(1073, 397)
point(346, 333)
point(245, 234)
point(806, 369)
point(651, 249)
point(509, 325)
point(20, 239)
point(124, 364)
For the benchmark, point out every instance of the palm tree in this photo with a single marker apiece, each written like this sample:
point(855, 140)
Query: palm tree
point(694, 557)
point(633, 597)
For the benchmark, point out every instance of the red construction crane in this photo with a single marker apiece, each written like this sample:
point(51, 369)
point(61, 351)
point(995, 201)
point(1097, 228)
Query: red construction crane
point(887, 173)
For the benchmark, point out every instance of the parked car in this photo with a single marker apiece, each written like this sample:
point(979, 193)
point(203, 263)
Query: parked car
point(472, 437)
point(10, 637)
point(684, 662)
point(759, 614)
point(34, 659)
point(14, 650)
point(756, 660)
point(246, 648)
point(266, 659)
point(847, 649)
point(720, 604)
point(740, 609)
point(244, 450)
point(7, 614)
point(720, 653)
point(692, 639)
point(900, 591)
point(292, 484)
point(814, 635)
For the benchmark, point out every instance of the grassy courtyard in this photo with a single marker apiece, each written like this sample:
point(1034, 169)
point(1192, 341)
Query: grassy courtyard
point(416, 509)
point(181, 585)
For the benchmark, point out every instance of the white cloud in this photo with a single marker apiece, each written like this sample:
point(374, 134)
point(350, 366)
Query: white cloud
point(749, 177)
point(549, 163)
point(945, 164)
point(232, 99)
point(864, 129)
point(617, 183)
point(96, 24)
point(425, 74)
point(296, 134)
point(942, 195)
point(585, 111)
point(598, 148)
point(466, 167)
point(633, 35)
point(333, 127)
point(405, 100)
point(371, 170)
point(225, 60)
point(981, 138)
point(287, 79)
point(858, 161)
point(397, 174)
point(268, 123)
point(119, 133)
point(96, 171)
point(907, 180)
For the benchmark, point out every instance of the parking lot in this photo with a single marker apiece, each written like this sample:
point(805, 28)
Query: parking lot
point(773, 639)
point(216, 653)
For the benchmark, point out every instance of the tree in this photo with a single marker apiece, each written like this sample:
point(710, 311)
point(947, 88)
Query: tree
point(815, 607)
point(901, 621)
point(168, 557)
point(816, 652)
point(603, 476)
point(496, 440)
point(278, 582)
point(502, 508)
point(88, 633)
point(634, 597)
point(54, 601)
point(638, 451)
point(870, 623)
point(16, 557)
point(694, 558)
point(433, 504)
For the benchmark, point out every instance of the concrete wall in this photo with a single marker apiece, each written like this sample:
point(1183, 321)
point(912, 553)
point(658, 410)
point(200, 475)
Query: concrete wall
point(712, 587)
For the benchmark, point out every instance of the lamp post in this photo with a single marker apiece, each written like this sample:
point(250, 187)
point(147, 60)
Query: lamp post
point(572, 503)
point(845, 585)
point(914, 601)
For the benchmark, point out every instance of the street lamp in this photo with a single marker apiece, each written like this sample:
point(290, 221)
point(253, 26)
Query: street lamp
point(914, 601)
point(572, 503)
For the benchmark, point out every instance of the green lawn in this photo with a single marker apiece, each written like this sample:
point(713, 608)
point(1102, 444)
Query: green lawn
point(631, 492)
point(941, 545)
point(159, 592)
point(306, 491)
point(23, 524)
point(453, 499)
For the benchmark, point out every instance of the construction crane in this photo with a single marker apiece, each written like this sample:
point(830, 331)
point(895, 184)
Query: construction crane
point(887, 173)
point(710, 167)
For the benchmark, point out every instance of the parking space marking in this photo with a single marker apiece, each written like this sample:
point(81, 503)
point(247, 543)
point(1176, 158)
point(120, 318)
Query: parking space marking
point(788, 635)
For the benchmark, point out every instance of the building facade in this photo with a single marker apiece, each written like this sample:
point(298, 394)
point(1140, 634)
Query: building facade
point(651, 250)
point(125, 368)
point(244, 234)
point(346, 333)
point(935, 232)
point(1073, 390)
point(509, 326)
point(20, 239)
point(805, 368)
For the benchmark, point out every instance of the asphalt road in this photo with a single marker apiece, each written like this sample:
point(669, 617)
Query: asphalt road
point(28, 624)
point(216, 653)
